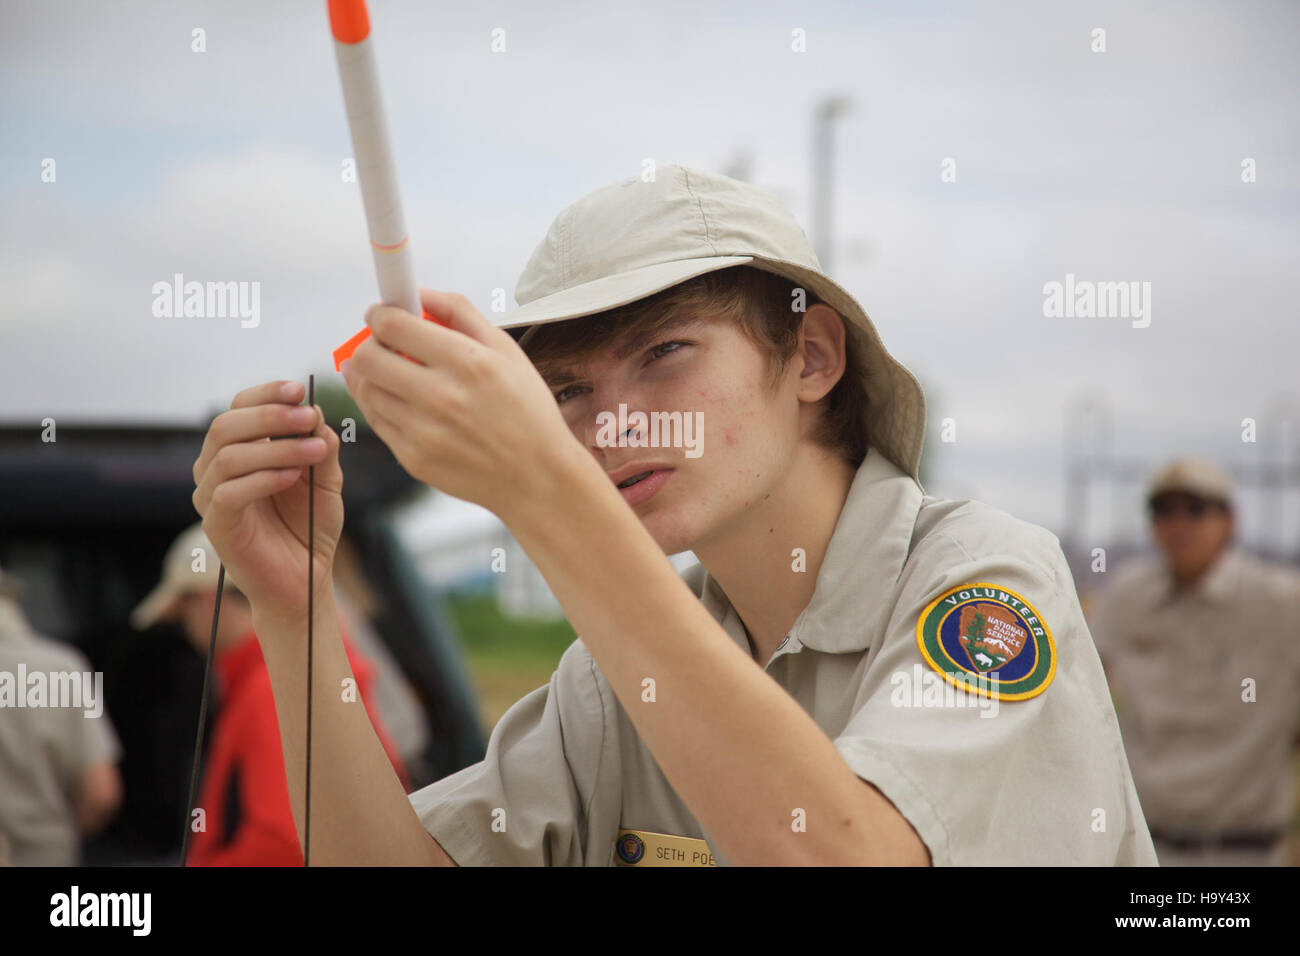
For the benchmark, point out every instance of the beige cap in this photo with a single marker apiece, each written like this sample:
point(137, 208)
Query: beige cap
point(1193, 476)
point(190, 564)
point(629, 240)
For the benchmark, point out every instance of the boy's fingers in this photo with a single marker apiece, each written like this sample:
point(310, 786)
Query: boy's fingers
point(232, 496)
point(252, 424)
point(333, 443)
point(460, 314)
point(322, 427)
point(286, 392)
point(400, 332)
point(246, 458)
point(376, 361)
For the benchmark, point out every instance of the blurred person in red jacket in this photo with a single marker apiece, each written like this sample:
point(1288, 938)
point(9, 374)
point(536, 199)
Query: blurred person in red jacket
point(246, 819)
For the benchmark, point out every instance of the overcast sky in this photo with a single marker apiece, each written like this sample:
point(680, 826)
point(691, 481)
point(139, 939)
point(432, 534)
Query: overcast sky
point(1122, 165)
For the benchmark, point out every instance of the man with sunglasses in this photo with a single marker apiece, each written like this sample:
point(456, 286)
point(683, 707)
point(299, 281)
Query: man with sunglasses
point(1202, 649)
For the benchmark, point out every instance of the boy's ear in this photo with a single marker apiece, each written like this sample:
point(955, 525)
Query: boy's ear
point(822, 351)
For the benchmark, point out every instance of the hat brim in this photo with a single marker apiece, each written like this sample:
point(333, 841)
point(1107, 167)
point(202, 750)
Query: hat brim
point(609, 292)
point(1192, 490)
point(896, 403)
point(157, 605)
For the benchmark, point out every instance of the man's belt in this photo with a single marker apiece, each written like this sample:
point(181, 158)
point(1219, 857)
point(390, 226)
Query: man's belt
point(1239, 839)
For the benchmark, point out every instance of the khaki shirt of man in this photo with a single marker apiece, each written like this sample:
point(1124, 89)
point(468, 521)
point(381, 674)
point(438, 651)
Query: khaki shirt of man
point(44, 751)
point(1045, 780)
point(1205, 688)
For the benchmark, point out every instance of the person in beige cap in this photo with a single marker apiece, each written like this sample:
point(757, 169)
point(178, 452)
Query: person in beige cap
point(187, 590)
point(1203, 655)
point(855, 672)
point(243, 799)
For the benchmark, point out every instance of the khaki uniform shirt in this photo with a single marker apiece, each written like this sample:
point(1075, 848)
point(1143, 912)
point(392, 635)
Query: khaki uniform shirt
point(1043, 779)
point(44, 750)
point(1183, 667)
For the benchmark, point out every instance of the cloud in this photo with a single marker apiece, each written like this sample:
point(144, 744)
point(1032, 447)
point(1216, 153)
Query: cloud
point(1117, 166)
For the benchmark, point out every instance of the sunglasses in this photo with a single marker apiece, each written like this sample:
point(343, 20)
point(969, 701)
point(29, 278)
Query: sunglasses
point(1193, 507)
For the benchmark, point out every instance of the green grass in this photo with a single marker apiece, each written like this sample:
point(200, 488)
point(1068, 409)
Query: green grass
point(506, 658)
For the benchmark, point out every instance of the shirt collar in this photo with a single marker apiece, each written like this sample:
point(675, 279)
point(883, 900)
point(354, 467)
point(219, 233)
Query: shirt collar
point(13, 622)
point(864, 560)
point(1217, 585)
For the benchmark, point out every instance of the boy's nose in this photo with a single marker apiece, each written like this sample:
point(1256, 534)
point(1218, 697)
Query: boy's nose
point(602, 426)
point(605, 425)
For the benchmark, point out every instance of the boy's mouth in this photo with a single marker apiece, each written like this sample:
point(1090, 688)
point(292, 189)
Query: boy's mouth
point(640, 486)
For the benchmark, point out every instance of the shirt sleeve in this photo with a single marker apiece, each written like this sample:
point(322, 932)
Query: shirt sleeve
point(989, 781)
point(100, 743)
point(1099, 603)
point(86, 735)
point(1291, 612)
point(546, 793)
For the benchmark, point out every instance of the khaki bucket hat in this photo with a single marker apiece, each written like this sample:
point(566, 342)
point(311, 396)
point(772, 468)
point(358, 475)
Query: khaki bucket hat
point(634, 238)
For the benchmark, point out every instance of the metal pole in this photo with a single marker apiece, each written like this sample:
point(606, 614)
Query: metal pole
point(823, 166)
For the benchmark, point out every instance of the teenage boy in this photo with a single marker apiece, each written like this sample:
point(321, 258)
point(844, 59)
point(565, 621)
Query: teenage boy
point(854, 673)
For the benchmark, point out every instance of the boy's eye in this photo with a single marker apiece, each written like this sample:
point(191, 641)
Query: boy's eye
point(663, 348)
point(655, 352)
point(563, 394)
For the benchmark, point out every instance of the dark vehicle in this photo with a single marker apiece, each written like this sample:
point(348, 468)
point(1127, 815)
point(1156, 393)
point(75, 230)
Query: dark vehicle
point(84, 522)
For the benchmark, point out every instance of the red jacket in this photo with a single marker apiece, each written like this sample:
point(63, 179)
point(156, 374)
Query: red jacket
point(245, 794)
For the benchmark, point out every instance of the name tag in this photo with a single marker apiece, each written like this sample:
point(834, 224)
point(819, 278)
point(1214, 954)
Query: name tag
point(644, 848)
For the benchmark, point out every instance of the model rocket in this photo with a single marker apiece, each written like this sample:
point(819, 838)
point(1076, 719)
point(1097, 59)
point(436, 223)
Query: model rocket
point(389, 240)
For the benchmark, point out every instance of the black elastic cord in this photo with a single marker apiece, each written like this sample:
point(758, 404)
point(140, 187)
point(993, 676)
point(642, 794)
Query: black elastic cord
point(212, 653)
point(311, 578)
point(203, 714)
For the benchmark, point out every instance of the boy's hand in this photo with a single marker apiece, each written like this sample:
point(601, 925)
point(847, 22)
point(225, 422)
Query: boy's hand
point(251, 489)
point(462, 408)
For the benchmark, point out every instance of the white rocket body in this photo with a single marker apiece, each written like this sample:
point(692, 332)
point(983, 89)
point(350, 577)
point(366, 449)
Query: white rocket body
point(377, 173)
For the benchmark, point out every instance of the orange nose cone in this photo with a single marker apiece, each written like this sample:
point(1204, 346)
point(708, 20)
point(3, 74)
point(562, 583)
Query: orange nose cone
point(349, 20)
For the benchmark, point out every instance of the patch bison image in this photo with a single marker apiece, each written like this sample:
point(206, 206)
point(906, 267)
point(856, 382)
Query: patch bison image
point(991, 635)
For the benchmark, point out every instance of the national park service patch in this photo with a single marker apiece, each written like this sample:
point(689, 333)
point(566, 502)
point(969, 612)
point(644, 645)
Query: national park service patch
point(989, 640)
